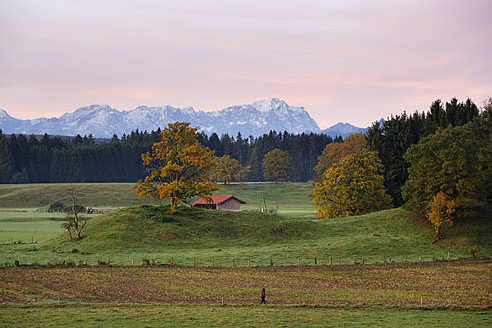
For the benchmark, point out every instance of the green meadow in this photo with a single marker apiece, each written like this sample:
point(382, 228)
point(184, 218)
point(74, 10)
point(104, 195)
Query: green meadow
point(137, 234)
point(182, 315)
point(141, 234)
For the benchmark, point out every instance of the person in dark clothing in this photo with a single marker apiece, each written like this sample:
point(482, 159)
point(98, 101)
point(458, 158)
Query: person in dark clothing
point(263, 297)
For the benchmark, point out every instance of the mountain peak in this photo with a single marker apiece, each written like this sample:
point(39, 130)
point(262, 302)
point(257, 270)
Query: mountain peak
point(267, 105)
point(103, 121)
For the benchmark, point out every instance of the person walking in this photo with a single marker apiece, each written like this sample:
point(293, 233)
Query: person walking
point(263, 297)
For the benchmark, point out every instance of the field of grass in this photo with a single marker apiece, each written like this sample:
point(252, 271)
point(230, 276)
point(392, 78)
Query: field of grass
point(281, 196)
point(223, 238)
point(213, 252)
point(208, 238)
point(181, 315)
point(28, 230)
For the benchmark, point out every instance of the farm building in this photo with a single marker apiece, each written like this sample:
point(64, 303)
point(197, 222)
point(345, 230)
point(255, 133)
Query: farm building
point(221, 202)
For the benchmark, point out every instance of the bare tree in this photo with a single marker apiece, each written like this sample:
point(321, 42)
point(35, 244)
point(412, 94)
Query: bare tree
point(74, 221)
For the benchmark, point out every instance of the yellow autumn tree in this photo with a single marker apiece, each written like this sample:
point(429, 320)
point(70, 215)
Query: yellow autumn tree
point(334, 152)
point(227, 169)
point(442, 211)
point(178, 167)
point(353, 186)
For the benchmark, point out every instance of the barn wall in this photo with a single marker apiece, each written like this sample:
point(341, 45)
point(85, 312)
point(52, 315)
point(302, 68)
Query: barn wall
point(231, 204)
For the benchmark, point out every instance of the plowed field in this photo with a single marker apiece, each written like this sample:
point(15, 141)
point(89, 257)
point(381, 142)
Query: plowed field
point(467, 283)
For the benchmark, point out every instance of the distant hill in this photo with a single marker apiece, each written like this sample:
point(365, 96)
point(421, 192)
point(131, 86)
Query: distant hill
point(104, 121)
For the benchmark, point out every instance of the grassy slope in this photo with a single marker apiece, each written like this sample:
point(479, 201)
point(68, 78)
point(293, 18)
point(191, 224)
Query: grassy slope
point(221, 236)
point(226, 236)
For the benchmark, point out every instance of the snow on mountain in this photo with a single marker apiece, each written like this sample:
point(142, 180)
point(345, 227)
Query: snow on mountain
point(103, 121)
point(8, 121)
point(343, 130)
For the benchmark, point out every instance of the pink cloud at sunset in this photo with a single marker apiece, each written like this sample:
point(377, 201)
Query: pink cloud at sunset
point(349, 61)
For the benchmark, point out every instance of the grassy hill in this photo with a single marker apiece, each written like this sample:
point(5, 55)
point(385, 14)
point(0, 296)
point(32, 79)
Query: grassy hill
point(153, 227)
point(193, 236)
point(144, 232)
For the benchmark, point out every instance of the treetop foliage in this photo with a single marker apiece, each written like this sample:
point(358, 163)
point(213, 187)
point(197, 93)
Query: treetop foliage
point(352, 182)
point(450, 172)
point(41, 159)
point(276, 164)
point(178, 167)
point(393, 137)
point(227, 170)
point(334, 152)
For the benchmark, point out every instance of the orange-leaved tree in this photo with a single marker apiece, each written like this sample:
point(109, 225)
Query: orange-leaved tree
point(442, 211)
point(178, 167)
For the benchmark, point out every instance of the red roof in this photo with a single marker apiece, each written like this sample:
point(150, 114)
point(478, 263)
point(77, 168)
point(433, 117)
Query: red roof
point(219, 199)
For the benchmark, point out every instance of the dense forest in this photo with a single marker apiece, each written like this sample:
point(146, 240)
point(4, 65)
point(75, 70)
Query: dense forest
point(393, 138)
point(39, 159)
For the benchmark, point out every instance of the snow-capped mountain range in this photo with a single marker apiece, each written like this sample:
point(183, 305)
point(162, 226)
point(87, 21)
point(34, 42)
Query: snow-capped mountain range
point(103, 121)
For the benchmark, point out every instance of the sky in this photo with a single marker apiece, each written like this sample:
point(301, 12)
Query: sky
point(347, 61)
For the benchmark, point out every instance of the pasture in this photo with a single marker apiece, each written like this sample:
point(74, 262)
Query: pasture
point(204, 269)
point(197, 316)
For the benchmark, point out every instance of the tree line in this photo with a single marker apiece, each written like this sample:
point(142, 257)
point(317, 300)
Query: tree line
point(398, 133)
point(48, 159)
point(439, 164)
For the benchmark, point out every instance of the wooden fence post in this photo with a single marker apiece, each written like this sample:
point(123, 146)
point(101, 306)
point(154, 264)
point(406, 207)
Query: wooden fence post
point(331, 260)
point(315, 262)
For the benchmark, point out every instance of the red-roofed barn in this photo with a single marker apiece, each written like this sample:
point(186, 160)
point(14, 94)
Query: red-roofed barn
point(220, 202)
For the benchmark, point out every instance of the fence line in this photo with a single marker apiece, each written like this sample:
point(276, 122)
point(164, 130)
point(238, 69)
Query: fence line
point(240, 262)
